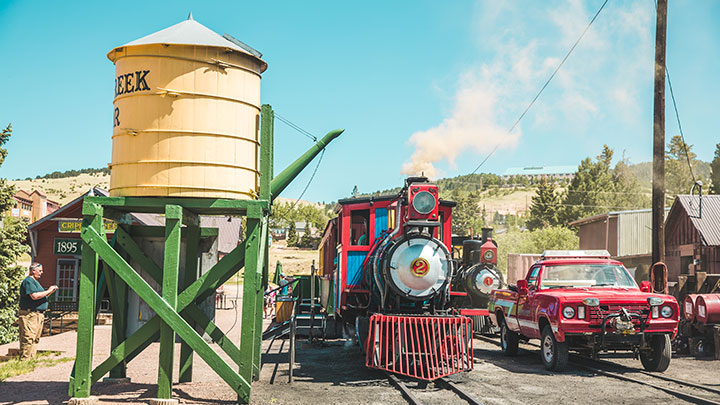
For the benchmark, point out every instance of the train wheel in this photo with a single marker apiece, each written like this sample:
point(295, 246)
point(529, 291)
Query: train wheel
point(508, 340)
point(554, 354)
point(658, 357)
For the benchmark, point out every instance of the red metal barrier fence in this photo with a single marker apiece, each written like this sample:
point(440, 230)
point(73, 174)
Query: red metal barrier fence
point(423, 347)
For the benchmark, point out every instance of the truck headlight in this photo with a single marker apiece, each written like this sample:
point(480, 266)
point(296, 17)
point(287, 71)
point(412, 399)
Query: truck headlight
point(666, 311)
point(568, 312)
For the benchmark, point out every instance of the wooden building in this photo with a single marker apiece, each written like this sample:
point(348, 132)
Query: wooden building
point(626, 235)
point(33, 205)
point(55, 243)
point(692, 236)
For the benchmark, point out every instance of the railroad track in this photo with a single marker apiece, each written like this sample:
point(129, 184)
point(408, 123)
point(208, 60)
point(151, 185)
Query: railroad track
point(601, 367)
point(413, 400)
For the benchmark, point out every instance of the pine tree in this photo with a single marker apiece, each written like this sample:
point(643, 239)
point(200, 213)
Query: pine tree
point(466, 217)
point(544, 207)
point(590, 191)
point(292, 239)
point(12, 238)
point(628, 194)
point(715, 172)
point(680, 166)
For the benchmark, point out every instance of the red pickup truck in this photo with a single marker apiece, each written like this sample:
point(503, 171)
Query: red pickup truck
point(586, 302)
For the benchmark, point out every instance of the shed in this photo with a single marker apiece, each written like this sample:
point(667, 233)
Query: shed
point(55, 243)
point(692, 236)
point(627, 235)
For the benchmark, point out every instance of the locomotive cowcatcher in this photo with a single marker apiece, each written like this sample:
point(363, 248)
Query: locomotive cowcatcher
point(387, 276)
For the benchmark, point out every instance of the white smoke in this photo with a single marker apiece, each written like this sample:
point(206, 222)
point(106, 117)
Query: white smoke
point(490, 97)
point(472, 125)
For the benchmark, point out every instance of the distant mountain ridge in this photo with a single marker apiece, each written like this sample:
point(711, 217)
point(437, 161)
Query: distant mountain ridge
point(65, 186)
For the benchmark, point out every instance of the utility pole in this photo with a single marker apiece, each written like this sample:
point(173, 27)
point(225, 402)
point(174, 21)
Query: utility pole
point(658, 187)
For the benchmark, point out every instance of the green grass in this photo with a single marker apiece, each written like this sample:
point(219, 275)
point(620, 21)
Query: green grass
point(15, 367)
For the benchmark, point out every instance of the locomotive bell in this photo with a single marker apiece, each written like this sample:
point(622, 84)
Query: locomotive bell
point(418, 267)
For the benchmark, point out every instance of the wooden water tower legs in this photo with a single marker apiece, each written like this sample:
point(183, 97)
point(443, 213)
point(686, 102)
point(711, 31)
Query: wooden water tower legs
point(177, 306)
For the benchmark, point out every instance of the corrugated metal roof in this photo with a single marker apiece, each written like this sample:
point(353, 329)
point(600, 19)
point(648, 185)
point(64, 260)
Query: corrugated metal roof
point(709, 224)
point(539, 170)
point(191, 32)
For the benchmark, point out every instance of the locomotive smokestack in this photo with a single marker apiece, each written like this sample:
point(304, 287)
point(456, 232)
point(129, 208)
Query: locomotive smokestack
point(469, 246)
point(486, 234)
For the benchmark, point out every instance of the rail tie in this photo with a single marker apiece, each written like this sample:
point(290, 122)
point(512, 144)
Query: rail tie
point(404, 389)
point(412, 399)
point(462, 394)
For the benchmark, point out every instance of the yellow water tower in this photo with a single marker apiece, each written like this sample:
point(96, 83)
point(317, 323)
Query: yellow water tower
point(186, 115)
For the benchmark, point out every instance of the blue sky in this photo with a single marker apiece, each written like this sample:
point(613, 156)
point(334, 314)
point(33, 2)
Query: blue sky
point(418, 85)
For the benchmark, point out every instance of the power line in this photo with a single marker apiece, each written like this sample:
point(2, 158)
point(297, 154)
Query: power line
point(544, 85)
point(295, 127)
point(677, 115)
point(292, 207)
point(322, 153)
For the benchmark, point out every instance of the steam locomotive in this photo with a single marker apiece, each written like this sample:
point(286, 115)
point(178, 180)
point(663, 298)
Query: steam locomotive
point(390, 276)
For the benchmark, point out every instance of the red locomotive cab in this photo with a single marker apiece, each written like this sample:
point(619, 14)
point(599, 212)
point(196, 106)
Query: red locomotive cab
point(488, 252)
point(422, 202)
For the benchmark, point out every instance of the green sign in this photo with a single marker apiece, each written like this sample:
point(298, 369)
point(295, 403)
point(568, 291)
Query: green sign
point(67, 246)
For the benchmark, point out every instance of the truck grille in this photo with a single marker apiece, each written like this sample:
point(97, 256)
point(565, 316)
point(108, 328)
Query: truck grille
point(596, 314)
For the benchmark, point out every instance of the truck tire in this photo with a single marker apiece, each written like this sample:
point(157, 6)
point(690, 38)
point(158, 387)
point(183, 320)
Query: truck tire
point(554, 354)
point(508, 340)
point(658, 357)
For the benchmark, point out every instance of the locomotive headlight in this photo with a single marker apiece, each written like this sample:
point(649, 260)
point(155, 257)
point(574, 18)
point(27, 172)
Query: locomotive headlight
point(568, 312)
point(666, 311)
point(424, 202)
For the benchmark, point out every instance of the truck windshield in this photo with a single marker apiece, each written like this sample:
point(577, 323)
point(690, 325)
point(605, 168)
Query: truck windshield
point(585, 276)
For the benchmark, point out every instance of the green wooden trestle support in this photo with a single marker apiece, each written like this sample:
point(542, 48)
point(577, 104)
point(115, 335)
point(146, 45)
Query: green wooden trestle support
point(177, 305)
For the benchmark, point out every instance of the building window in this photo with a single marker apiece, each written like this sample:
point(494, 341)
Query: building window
point(67, 271)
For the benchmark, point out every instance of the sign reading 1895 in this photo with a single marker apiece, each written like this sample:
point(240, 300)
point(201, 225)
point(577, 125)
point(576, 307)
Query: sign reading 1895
point(67, 246)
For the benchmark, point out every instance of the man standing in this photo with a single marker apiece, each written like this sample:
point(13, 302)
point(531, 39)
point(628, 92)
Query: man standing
point(33, 304)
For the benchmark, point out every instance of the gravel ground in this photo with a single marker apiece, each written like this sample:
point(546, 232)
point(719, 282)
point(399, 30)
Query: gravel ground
point(334, 374)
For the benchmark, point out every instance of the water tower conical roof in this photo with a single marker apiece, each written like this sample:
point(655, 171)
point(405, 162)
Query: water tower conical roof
point(191, 32)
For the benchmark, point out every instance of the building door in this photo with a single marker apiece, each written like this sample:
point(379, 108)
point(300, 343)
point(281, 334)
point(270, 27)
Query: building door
point(685, 262)
point(67, 272)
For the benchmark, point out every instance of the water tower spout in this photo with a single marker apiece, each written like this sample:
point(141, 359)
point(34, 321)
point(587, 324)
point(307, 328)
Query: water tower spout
point(283, 179)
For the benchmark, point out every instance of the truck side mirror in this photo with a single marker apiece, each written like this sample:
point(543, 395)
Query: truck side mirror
point(522, 287)
point(645, 286)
